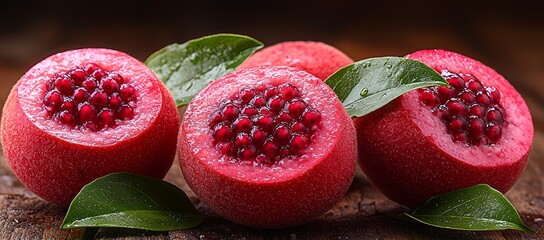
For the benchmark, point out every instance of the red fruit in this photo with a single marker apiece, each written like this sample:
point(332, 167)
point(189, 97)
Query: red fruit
point(59, 137)
point(317, 58)
point(270, 176)
point(412, 149)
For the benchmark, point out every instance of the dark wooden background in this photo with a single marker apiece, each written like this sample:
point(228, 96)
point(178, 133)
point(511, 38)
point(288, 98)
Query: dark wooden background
point(505, 35)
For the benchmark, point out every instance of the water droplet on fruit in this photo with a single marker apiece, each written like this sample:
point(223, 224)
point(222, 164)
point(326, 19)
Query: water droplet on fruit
point(364, 92)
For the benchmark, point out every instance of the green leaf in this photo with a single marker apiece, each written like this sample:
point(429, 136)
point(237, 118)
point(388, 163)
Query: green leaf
point(187, 68)
point(369, 84)
point(477, 208)
point(132, 201)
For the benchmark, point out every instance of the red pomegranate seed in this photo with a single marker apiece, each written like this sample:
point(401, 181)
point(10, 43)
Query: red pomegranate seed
point(271, 92)
point(115, 101)
point(276, 103)
point(258, 101)
point(483, 99)
point(69, 106)
point(106, 118)
point(242, 139)
point(429, 97)
point(109, 86)
point(258, 135)
point(265, 122)
point(494, 95)
point(474, 85)
point(298, 127)
point(265, 111)
point(98, 74)
point(270, 149)
point(249, 111)
point(242, 124)
point(296, 107)
point(53, 100)
point(86, 113)
point(288, 91)
point(246, 95)
point(117, 78)
point(284, 117)
point(477, 110)
point(297, 143)
point(311, 117)
point(65, 85)
point(476, 127)
point(78, 75)
point(282, 134)
point(125, 112)
point(456, 82)
point(461, 136)
point(494, 115)
point(81, 95)
point(457, 123)
point(222, 132)
point(456, 107)
point(248, 153)
point(90, 84)
point(90, 68)
point(98, 99)
point(230, 111)
point(493, 132)
point(467, 96)
point(445, 93)
point(127, 93)
point(225, 148)
point(67, 118)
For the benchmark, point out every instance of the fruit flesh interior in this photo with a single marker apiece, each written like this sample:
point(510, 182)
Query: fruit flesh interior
point(264, 124)
point(472, 112)
point(313, 91)
point(90, 98)
point(33, 86)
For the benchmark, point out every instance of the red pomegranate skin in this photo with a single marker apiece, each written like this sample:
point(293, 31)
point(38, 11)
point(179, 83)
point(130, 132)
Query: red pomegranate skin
point(290, 192)
point(317, 58)
point(55, 161)
point(406, 151)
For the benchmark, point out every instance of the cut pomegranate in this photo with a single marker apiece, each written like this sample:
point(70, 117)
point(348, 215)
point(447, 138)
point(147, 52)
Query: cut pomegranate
point(82, 114)
point(267, 139)
point(435, 140)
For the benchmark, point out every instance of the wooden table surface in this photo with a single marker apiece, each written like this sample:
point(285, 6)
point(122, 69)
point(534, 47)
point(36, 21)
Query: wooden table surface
point(506, 37)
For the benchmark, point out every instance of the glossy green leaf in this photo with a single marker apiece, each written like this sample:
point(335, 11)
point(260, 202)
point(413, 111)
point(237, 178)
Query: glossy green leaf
point(477, 208)
point(132, 201)
point(187, 68)
point(371, 83)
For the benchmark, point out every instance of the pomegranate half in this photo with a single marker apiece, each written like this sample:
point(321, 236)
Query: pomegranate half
point(435, 140)
point(82, 114)
point(268, 147)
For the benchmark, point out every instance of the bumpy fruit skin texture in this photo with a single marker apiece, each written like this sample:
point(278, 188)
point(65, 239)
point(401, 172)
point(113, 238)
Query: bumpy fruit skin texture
point(407, 153)
point(291, 191)
point(317, 58)
point(56, 161)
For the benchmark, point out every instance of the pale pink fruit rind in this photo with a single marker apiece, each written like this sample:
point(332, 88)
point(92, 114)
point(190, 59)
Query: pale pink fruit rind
point(406, 152)
point(288, 193)
point(317, 58)
point(55, 165)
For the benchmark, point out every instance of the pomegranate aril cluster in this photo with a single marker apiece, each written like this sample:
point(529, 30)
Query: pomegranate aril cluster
point(471, 111)
point(264, 124)
point(90, 98)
